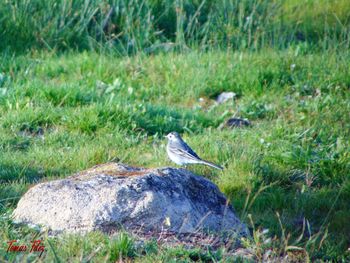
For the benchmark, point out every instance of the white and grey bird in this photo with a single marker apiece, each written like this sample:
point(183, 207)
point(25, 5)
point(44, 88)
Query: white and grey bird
point(180, 153)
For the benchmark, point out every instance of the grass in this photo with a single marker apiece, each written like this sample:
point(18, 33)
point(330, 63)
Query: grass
point(288, 173)
point(85, 82)
point(152, 25)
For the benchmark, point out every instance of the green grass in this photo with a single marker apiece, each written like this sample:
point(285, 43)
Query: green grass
point(291, 167)
point(153, 25)
point(70, 99)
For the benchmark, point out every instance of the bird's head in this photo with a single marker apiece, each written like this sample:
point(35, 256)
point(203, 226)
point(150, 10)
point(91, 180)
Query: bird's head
point(173, 136)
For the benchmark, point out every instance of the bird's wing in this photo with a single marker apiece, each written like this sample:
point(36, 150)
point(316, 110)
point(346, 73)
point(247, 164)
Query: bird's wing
point(190, 151)
point(190, 154)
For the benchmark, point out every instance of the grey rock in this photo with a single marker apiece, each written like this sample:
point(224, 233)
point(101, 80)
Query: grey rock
point(110, 196)
point(225, 96)
point(236, 123)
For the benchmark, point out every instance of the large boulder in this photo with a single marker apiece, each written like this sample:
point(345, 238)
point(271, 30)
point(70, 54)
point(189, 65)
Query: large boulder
point(110, 196)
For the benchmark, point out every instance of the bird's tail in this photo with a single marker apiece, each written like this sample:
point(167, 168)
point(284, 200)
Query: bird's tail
point(212, 165)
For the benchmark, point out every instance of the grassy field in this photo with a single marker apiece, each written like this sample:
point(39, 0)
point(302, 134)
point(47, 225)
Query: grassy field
point(85, 82)
point(132, 26)
point(288, 173)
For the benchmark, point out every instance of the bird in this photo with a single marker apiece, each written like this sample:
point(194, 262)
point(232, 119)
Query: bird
point(180, 153)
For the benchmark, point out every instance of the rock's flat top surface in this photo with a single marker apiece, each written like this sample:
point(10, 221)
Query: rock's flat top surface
point(110, 196)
